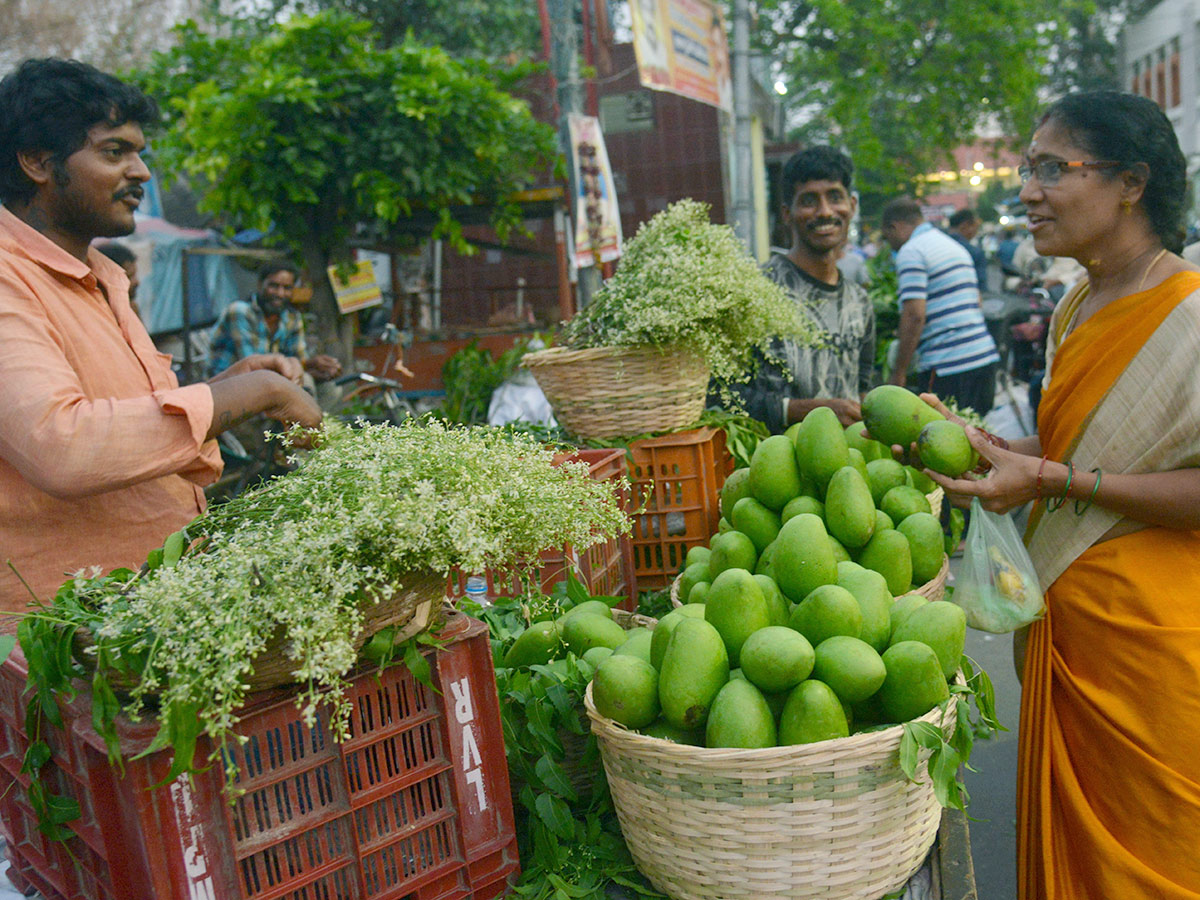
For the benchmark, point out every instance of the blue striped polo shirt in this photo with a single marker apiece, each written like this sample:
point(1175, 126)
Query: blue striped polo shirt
point(934, 267)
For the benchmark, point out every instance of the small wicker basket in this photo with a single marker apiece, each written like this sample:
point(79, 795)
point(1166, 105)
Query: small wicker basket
point(605, 392)
point(837, 819)
point(935, 498)
point(412, 610)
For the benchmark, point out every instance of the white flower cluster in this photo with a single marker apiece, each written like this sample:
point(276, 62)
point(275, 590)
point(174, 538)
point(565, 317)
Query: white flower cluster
point(364, 513)
point(687, 284)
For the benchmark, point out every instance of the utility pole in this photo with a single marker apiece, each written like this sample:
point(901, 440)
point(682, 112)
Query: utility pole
point(564, 66)
point(743, 172)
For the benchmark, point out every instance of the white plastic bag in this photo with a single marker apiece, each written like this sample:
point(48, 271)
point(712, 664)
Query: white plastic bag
point(997, 586)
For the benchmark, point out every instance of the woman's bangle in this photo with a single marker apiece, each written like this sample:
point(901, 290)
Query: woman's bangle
point(1038, 489)
point(1057, 502)
point(1095, 489)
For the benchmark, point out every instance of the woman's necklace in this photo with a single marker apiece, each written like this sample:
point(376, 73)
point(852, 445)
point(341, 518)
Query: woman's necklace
point(1083, 296)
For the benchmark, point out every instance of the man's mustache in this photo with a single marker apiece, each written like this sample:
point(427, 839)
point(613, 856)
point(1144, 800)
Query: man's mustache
point(135, 191)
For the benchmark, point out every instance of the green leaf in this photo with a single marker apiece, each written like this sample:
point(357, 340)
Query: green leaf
point(909, 752)
point(556, 815)
point(173, 548)
point(943, 772)
point(36, 756)
point(551, 775)
point(7, 643)
point(575, 589)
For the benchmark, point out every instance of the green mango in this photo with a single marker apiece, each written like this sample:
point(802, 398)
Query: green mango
point(849, 509)
point(942, 626)
point(536, 645)
point(731, 550)
point(958, 522)
point(776, 658)
point(666, 625)
point(802, 504)
point(595, 607)
point(763, 566)
point(883, 521)
point(803, 559)
point(693, 575)
point(694, 669)
point(812, 713)
point(586, 630)
point(774, 477)
point(856, 439)
point(755, 521)
point(858, 462)
point(625, 689)
point(736, 486)
point(902, 608)
point(914, 683)
point(874, 602)
point(943, 447)
point(637, 643)
point(778, 607)
point(696, 554)
point(737, 608)
point(888, 554)
point(895, 416)
point(840, 553)
point(901, 502)
point(925, 544)
point(821, 449)
point(663, 730)
point(828, 611)
point(740, 717)
point(882, 476)
point(698, 594)
point(850, 666)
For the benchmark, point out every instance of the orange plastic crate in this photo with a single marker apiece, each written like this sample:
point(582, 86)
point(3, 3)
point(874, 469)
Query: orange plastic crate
point(606, 569)
point(414, 806)
point(679, 478)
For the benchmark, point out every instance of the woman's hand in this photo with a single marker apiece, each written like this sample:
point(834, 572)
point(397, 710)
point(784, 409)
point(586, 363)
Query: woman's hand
point(1012, 481)
point(287, 366)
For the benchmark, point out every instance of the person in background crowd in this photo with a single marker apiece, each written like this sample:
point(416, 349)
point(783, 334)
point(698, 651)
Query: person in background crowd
point(818, 208)
point(964, 226)
point(123, 257)
point(940, 313)
point(1108, 800)
point(267, 322)
point(102, 454)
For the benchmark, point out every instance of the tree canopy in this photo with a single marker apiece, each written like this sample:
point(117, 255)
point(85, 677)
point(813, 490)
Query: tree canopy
point(313, 131)
point(901, 84)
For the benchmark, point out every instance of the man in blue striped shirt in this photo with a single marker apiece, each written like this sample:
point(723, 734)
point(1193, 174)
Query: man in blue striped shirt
point(941, 319)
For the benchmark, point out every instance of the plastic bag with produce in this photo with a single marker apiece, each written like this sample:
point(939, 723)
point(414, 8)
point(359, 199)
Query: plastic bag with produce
point(997, 586)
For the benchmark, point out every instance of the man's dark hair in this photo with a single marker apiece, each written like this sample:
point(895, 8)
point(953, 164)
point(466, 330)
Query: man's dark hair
point(266, 270)
point(49, 104)
point(814, 164)
point(902, 209)
point(962, 217)
point(1129, 130)
point(117, 252)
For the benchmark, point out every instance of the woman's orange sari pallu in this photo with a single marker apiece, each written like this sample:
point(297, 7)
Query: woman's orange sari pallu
point(1109, 773)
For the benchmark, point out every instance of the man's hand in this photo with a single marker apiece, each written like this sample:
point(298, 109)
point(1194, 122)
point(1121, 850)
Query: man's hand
point(238, 397)
point(323, 367)
point(287, 366)
point(848, 411)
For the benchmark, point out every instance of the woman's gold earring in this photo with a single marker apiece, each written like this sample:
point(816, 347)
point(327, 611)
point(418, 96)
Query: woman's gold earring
point(1127, 204)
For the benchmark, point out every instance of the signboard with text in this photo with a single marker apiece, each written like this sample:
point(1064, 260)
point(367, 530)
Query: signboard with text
point(597, 217)
point(681, 47)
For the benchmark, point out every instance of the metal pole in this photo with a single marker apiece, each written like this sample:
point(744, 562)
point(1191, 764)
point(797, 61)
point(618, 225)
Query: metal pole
point(743, 172)
point(188, 375)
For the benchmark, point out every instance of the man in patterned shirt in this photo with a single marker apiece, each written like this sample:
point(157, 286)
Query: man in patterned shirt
point(267, 323)
point(818, 207)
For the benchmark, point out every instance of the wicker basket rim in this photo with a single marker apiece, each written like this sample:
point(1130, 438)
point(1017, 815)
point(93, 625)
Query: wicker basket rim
point(565, 355)
point(791, 752)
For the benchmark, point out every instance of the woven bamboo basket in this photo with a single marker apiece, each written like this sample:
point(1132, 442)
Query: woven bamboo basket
point(935, 498)
point(581, 770)
point(412, 610)
point(836, 820)
point(934, 589)
point(605, 392)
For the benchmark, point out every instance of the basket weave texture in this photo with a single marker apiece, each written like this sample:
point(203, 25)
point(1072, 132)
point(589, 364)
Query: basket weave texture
point(935, 498)
point(413, 609)
point(605, 392)
point(935, 588)
point(836, 820)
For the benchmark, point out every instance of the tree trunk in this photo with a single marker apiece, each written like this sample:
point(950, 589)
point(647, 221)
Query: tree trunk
point(334, 331)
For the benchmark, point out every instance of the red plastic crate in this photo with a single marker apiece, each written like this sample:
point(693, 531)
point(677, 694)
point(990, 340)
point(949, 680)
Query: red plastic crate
point(679, 478)
point(606, 569)
point(414, 806)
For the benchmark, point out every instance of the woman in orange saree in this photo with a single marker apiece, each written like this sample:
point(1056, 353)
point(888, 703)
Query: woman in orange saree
point(1109, 768)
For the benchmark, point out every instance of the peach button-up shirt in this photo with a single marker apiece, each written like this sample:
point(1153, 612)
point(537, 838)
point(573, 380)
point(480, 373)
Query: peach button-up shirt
point(102, 454)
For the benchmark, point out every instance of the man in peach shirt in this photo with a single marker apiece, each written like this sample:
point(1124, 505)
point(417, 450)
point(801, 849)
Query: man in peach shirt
point(102, 454)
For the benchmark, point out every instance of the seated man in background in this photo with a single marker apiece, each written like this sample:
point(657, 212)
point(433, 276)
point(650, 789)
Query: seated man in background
point(267, 322)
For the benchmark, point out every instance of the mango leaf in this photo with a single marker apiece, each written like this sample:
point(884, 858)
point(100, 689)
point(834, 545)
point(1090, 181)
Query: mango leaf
point(105, 708)
point(551, 774)
point(416, 663)
point(909, 752)
point(36, 756)
point(943, 772)
point(556, 815)
point(173, 548)
point(7, 643)
point(576, 590)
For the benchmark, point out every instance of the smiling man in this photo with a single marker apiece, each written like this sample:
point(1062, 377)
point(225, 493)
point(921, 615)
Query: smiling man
point(102, 454)
point(818, 207)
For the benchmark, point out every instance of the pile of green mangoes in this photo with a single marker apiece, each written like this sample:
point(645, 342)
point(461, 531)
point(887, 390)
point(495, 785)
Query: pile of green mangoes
point(819, 495)
point(748, 669)
point(578, 629)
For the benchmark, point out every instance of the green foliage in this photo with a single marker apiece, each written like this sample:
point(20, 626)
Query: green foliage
point(975, 709)
point(470, 377)
point(903, 84)
point(885, 297)
point(489, 28)
point(687, 284)
point(571, 845)
point(315, 129)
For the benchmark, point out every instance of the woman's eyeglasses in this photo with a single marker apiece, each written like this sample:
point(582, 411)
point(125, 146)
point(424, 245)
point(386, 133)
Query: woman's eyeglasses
point(1049, 171)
